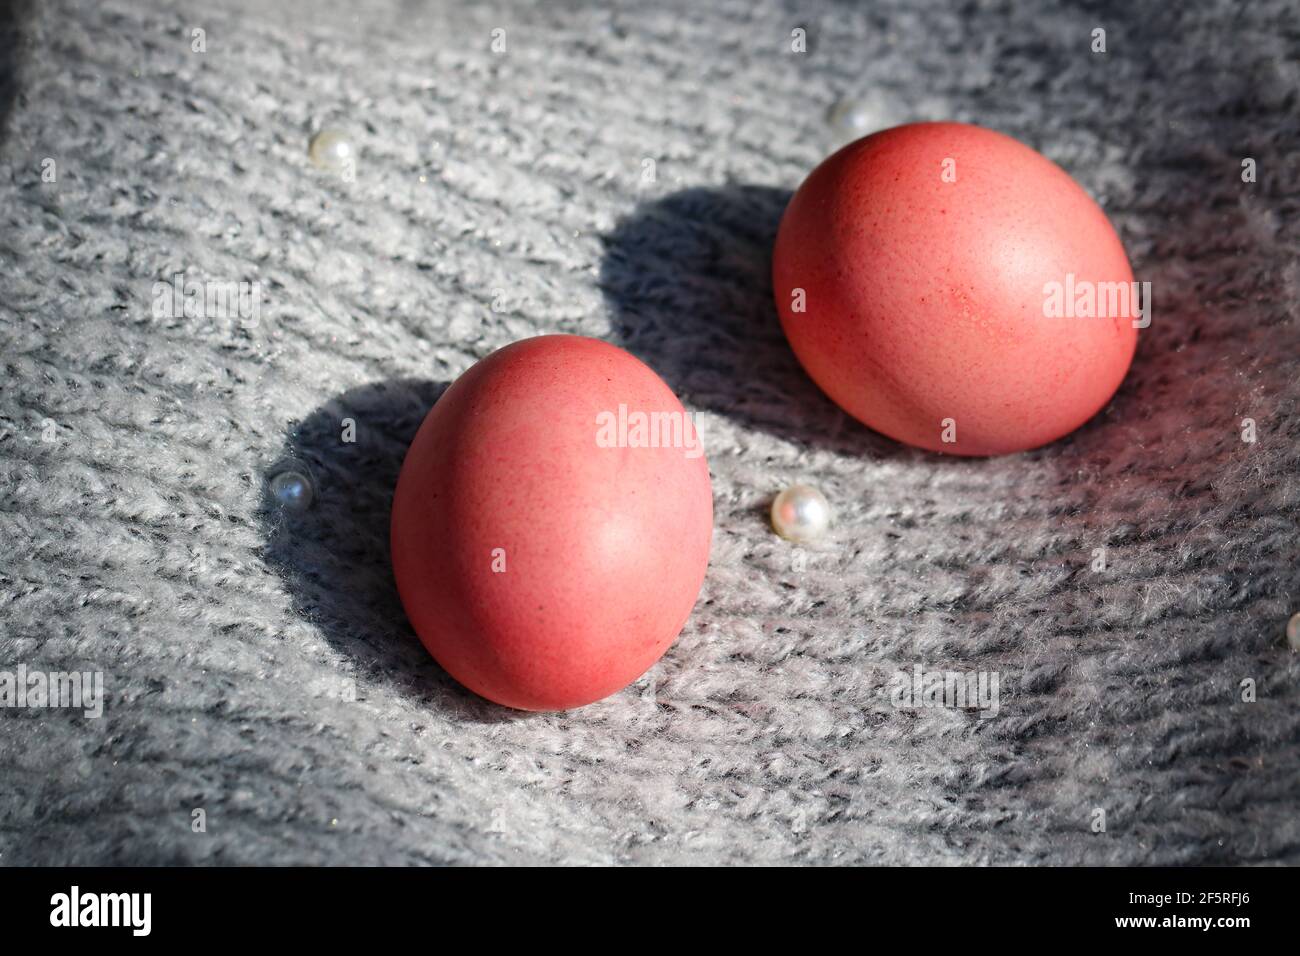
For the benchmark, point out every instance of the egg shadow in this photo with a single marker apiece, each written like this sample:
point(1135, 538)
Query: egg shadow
point(334, 555)
point(688, 279)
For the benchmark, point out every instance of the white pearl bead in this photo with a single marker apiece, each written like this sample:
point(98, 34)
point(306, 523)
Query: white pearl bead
point(292, 491)
point(1293, 632)
point(332, 150)
point(852, 117)
point(801, 513)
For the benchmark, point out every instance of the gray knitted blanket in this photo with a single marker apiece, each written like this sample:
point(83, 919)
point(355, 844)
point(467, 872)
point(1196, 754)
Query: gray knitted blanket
point(619, 172)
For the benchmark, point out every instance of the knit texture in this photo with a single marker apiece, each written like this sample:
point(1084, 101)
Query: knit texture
point(258, 666)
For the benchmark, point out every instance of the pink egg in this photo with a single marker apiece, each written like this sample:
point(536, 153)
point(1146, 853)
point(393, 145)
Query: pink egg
point(952, 288)
point(552, 522)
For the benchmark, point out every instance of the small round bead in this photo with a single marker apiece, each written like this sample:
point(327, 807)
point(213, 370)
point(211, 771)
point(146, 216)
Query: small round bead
point(292, 490)
point(801, 513)
point(1293, 632)
point(332, 150)
point(851, 116)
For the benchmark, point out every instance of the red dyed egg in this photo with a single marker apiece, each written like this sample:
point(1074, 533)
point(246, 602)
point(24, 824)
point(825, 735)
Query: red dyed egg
point(952, 288)
point(552, 522)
